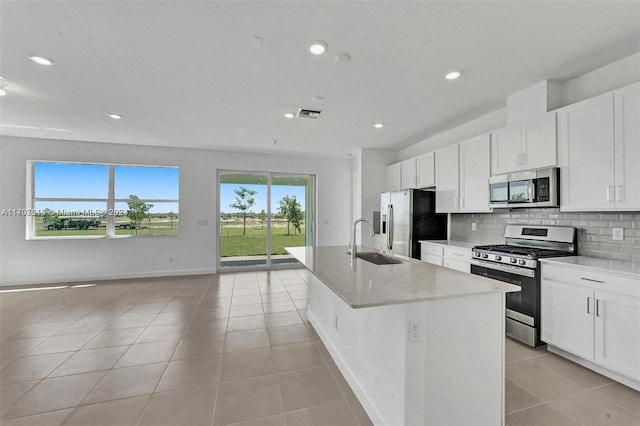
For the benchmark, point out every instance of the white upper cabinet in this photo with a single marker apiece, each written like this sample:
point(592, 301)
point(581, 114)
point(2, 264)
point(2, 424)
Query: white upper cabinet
point(529, 145)
point(447, 188)
point(426, 170)
point(408, 173)
point(402, 175)
point(506, 147)
point(462, 176)
point(475, 160)
point(627, 147)
point(599, 147)
point(394, 177)
point(586, 151)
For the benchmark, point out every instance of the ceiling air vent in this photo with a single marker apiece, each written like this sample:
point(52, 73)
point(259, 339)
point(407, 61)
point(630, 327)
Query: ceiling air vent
point(309, 113)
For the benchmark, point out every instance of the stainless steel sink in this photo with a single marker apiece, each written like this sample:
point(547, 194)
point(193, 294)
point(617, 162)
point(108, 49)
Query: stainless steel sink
point(378, 258)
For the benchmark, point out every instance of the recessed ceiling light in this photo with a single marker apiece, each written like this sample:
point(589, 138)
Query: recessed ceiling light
point(289, 115)
point(453, 75)
point(2, 91)
point(1, 77)
point(342, 58)
point(378, 125)
point(41, 60)
point(318, 47)
point(115, 116)
point(317, 99)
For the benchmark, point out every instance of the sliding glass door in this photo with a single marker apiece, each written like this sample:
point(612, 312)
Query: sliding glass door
point(262, 213)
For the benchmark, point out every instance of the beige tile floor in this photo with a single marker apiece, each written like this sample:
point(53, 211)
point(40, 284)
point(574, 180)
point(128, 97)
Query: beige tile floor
point(226, 349)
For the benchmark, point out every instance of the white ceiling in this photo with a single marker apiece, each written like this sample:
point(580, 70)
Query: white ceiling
point(185, 73)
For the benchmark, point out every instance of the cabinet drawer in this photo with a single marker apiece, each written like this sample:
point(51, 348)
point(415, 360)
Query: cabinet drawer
point(432, 249)
point(436, 260)
point(457, 252)
point(591, 279)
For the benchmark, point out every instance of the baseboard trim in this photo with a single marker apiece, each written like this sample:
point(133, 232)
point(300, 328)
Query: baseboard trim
point(112, 276)
point(595, 367)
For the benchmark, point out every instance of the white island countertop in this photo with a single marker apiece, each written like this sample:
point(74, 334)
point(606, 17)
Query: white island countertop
point(365, 284)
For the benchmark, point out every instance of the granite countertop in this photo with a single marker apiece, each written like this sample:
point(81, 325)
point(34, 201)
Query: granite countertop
point(365, 284)
point(595, 264)
point(453, 243)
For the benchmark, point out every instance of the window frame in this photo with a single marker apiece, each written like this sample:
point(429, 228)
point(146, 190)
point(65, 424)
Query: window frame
point(110, 201)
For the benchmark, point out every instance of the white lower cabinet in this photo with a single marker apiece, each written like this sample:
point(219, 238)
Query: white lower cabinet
point(567, 319)
point(447, 255)
point(594, 316)
point(617, 333)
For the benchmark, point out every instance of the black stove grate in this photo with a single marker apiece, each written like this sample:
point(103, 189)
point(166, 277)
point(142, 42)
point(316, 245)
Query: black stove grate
point(532, 252)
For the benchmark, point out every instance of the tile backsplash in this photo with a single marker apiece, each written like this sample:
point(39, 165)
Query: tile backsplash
point(594, 229)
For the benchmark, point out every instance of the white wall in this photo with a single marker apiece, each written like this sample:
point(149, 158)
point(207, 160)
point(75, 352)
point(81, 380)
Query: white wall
point(193, 251)
point(609, 77)
point(371, 171)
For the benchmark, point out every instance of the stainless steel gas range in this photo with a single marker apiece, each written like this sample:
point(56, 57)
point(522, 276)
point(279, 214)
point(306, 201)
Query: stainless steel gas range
point(516, 262)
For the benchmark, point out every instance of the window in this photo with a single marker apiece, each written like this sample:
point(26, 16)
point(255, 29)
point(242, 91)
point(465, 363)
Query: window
point(72, 200)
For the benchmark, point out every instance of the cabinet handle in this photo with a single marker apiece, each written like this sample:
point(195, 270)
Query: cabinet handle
point(619, 192)
point(523, 161)
point(461, 201)
point(592, 280)
point(588, 305)
point(609, 197)
point(597, 307)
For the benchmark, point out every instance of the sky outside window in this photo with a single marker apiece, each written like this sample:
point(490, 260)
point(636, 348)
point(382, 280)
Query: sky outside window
point(159, 183)
point(62, 180)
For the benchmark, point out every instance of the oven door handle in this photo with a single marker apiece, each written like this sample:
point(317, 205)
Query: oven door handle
point(505, 268)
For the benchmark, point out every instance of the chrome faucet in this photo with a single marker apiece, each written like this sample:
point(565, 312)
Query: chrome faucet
point(353, 241)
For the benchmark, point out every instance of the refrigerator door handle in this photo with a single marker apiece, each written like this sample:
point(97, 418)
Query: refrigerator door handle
point(390, 230)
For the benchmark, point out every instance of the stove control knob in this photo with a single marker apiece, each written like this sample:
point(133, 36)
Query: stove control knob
point(512, 260)
point(485, 255)
point(521, 262)
point(498, 257)
point(476, 254)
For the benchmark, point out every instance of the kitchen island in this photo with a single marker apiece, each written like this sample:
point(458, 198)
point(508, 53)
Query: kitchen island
point(418, 343)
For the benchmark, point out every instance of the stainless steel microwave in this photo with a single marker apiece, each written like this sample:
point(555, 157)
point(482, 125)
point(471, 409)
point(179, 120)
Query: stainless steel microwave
point(533, 188)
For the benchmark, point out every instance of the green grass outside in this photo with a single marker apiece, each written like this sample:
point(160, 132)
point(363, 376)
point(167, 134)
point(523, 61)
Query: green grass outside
point(233, 243)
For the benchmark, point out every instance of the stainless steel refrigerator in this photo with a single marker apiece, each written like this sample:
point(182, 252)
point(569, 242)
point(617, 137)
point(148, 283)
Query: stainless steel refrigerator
point(407, 217)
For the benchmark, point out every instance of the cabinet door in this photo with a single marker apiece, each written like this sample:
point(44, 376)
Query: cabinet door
point(408, 173)
point(506, 147)
point(475, 167)
point(539, 143)
point(394, 177)
point(627, 147)
point(586, 154)
point(426, 170)
point(447, 179)
point(617, 333)
point(567, 317)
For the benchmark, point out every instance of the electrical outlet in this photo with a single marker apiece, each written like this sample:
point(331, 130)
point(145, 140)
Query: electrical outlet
point(414, 332)
point(617, 234)
point(473, 226)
